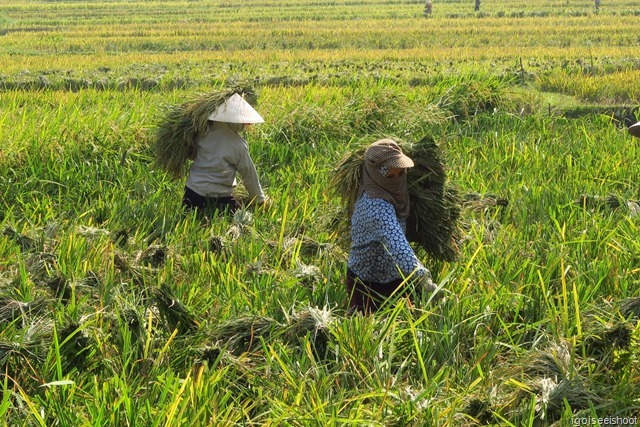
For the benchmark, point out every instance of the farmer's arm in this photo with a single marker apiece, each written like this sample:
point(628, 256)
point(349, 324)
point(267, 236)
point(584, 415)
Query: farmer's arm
point(394, 240)
point(247, 171)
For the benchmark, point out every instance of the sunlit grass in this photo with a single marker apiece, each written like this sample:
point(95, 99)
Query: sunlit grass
point(118, 308)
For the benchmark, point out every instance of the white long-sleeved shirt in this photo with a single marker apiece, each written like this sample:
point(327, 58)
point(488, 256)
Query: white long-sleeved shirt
point(221, 153)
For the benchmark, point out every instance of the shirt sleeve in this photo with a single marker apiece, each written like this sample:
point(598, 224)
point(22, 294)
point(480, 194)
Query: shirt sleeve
point(392, 237)
point(249, 175)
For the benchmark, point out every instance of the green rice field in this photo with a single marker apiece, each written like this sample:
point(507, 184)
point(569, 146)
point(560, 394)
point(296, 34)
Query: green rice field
point(117, 308)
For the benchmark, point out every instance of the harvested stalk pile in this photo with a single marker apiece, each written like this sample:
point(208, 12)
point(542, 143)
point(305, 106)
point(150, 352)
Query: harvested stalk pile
point(175, 139)
point(176, 314)
point(435, 205)
point(244, 334)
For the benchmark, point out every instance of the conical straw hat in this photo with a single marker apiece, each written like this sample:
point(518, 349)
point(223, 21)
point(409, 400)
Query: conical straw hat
point(236, 110)
point(635, 130)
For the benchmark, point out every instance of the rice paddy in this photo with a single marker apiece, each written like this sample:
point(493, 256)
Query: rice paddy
point(118, 308)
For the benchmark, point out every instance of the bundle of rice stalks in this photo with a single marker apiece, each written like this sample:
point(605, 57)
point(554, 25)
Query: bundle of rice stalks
point(306, 246)
point(480, 410)
point(553, 362)
point(601, 344)
point(26, 243)
point(553, 395)
point(176, 136)
point(552, 377)
point(91, 279)
point(176, 314)
point(630, 308)
point(478, 202)
point(21, 359)
point(136, 272)
point(154, 256)
point(243, 334)
point(313, 322)
point(77, 348)
point(41, 265)
point(60, 287)
point(435, 206)
point(216, 244)
point(610, 202)
point(308, 275)
point(12, 309)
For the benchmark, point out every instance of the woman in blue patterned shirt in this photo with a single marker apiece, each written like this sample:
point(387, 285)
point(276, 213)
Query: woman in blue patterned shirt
point(380, 258)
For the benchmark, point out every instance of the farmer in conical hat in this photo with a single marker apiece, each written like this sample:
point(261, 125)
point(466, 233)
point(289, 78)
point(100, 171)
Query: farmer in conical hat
point(380, 257)
point(220, 154)
point(635, 130)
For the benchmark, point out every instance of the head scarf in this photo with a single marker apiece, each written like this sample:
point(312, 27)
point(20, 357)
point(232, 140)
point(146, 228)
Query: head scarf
point(379, 157)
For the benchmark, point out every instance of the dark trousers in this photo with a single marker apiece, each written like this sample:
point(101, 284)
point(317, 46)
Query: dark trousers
point(368, 297)
point(208, 205)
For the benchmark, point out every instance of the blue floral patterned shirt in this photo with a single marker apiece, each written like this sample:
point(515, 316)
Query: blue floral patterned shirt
point(380, 251)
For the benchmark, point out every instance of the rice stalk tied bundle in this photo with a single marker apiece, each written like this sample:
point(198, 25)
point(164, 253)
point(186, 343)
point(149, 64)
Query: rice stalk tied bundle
point(435, 204)
point(480, 410)
point(630, 308)
point(12, 309)
point(77, 348)
point(175, 314)
point(553, 378)
point(26, 243)
point(602, 343)
point(553, 395)
point(154, 256)
point(19, 362)
point(313, 322)
point(175, 138)
point(23, 358)
point(243, 334)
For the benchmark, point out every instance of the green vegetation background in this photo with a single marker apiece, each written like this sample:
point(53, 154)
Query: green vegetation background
point(116, 308)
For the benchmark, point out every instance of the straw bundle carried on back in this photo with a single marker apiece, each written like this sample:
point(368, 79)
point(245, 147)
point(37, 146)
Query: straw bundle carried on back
point(435, 206)
point(176, 136)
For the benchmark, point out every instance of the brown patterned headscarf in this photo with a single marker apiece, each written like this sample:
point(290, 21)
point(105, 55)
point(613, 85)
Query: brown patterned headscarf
point(379, 157)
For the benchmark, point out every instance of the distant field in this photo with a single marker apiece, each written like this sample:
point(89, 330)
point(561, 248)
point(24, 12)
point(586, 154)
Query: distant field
point(119, 309)
point(186, 44)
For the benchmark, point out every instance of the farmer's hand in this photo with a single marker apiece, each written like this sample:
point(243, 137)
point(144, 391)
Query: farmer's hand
point(429, 289)
point(266, 203)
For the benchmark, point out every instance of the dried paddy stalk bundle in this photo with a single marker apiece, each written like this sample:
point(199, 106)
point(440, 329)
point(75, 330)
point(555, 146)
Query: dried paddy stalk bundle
point(243, 334)
point(630, 308)
point(552, 362)
point(77, 348)
point(175, 139)
point(21, 358)
point(435, 205)
point(41, 265)
point(601, 342)
point(26, 243)
point(154, 256)
point(552, 376)
point(555, 394)
point(12, 309)
point(308, 275)
point(482, 202)
point(175, 313)
point(480, 410)
point(313, 322)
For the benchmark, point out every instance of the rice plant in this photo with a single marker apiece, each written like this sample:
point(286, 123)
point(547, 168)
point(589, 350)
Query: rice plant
point(119, 308)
